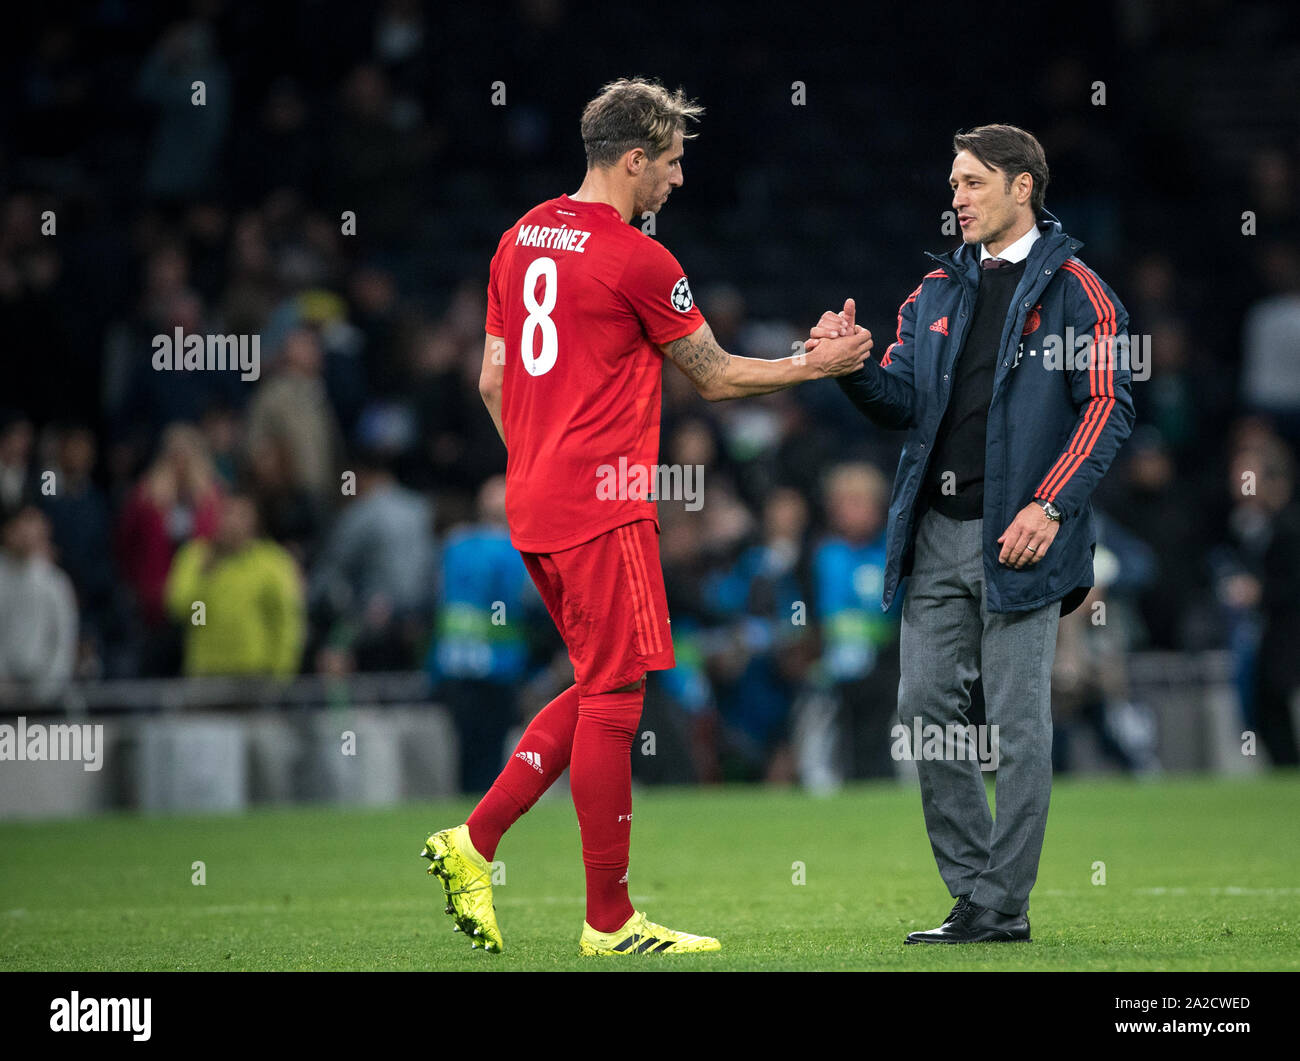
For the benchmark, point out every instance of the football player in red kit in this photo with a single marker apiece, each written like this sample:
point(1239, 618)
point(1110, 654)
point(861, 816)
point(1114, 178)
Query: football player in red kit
point(582, 309)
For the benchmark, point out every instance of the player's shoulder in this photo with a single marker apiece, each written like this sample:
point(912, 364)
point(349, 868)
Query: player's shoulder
point(655, 274)
point(649, 246)
point(646, 257)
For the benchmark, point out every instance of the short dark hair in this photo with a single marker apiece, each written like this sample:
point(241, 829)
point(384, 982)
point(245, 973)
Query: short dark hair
point(1013, 151)
point(634, 112)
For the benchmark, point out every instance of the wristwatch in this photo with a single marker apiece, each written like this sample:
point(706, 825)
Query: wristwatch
point(1049, 510)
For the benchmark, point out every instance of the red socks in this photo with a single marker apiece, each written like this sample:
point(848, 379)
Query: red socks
point(540, 757)
point(592, 736)
point(600, 775)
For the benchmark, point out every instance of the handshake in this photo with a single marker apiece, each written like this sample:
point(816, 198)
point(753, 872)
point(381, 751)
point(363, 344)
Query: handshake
point(844, 345)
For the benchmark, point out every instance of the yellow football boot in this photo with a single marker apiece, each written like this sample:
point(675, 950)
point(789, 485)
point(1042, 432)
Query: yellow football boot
point(467, 880)
point(640, 936)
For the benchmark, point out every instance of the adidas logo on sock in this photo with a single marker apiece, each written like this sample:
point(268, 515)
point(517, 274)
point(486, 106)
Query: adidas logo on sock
point(532, 759)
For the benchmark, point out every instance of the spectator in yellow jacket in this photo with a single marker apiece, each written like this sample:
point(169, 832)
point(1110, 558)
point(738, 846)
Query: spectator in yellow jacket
point(252, 617)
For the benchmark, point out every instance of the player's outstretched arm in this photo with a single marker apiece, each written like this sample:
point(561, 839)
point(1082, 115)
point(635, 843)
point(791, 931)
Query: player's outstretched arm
point(718, 375)
point(491, 377)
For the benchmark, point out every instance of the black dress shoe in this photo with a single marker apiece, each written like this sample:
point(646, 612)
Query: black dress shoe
point(962, 902)
point(972, 923)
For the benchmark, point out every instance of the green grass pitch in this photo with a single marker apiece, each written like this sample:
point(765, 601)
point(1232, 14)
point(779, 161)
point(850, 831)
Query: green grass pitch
point(1200, 874)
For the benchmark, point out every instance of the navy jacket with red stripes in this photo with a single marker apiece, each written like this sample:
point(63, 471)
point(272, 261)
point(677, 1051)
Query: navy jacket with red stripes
point(1061, 408)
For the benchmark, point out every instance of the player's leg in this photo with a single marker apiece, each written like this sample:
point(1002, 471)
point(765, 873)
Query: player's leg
point(542, 754)
point(616, 619)
point(600, 778)
point(461, 857)
point(540, 757)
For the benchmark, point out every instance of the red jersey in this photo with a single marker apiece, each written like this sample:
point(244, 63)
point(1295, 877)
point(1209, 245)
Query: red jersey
point(581, 298)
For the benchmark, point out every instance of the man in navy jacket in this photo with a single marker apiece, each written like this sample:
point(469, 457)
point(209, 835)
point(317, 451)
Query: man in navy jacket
point(1010, 373)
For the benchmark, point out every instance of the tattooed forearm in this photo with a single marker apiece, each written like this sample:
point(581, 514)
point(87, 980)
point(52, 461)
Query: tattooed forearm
point(700, 357)
point(718, 375)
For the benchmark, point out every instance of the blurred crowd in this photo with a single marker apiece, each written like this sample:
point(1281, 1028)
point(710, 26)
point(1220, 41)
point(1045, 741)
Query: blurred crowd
point(344, 511)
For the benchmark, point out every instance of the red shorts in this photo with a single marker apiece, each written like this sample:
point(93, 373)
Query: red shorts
point(608, 602)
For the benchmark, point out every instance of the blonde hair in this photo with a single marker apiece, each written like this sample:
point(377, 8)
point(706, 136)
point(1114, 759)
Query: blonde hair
point(635, 112)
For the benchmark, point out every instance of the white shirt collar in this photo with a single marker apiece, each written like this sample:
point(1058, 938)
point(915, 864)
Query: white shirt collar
point(1018, 251)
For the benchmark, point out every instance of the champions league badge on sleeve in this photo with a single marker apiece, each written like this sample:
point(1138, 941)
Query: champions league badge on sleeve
point(681, 297)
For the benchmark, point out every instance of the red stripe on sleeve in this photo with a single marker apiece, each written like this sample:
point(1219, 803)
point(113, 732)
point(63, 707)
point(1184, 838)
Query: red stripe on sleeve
point(1101, 385)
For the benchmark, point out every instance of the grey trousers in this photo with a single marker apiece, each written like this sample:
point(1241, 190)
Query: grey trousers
point(948, 639)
